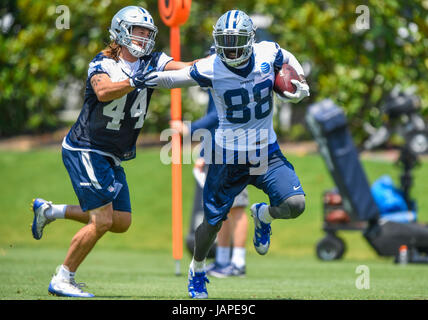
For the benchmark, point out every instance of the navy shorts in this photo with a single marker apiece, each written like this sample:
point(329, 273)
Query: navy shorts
point(225, 181)
point(96, 180)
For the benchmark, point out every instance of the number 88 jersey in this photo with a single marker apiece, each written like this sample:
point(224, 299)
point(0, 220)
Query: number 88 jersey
point(243, 95)
point(112, 127)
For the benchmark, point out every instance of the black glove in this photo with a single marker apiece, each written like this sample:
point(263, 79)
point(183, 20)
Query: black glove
point(139, 79)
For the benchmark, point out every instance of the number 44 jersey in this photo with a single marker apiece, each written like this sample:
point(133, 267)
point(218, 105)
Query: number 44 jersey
point(111, 128)
point(243, 95)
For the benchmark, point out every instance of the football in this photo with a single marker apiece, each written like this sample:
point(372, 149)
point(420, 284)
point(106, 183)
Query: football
point(283, 80)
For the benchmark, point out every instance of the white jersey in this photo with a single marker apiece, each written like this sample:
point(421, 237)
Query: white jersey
point(243, 96)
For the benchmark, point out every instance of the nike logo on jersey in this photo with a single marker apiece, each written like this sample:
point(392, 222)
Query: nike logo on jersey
point(296, 188)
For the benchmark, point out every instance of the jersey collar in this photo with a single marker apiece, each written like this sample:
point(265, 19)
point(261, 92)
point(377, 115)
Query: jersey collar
point(244, 72)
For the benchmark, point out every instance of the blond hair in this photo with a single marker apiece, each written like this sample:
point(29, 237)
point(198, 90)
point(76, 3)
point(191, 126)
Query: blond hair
point(112, 50)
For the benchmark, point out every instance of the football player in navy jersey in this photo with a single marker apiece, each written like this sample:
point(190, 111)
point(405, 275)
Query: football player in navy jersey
point(240, 77)
point(105, 133)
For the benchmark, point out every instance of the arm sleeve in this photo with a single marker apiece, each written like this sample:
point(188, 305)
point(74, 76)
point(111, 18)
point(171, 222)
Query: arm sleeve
point(290, 59)
point(173, 79)
point(284, 56)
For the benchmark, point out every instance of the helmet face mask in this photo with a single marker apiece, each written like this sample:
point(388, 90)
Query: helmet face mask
point(122, 30)
point(233, 37)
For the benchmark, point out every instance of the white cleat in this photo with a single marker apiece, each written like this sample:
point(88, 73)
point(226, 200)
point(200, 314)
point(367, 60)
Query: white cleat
point(67, 288)
point(39, 207)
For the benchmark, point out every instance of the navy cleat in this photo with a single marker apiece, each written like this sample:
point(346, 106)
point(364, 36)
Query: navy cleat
point(262, 231)
point(39, 207)
point(196, 286)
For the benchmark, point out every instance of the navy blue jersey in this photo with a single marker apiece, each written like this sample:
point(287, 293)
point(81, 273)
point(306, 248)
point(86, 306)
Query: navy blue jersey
point(112, 127)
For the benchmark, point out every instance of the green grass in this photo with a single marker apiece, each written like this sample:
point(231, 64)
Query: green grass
point(134, 274)
point(139, 264)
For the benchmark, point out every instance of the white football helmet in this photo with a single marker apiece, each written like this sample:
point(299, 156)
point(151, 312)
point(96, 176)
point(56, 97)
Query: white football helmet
point(233, 37)
point(121, 30)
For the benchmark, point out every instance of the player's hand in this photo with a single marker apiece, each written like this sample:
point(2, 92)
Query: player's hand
point(179, 126)
point(141, 79)
point(302, 91)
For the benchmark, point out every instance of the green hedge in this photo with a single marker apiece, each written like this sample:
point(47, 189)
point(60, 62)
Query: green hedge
point(354, 68)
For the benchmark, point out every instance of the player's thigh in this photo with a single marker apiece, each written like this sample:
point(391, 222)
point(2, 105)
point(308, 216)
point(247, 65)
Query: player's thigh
point(121, 204)
point(93, 178)
point(222, 185)
point(280, 181)
point(122, 201)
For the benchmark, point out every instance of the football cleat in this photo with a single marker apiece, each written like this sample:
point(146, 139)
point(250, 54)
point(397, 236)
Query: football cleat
point(61, 287)
point(39, 207)
point(228, 271)
point(262, 231)
point(196, 285)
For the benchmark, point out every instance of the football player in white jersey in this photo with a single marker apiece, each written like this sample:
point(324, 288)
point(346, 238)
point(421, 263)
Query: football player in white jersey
point(105, 134)
point(240, 77)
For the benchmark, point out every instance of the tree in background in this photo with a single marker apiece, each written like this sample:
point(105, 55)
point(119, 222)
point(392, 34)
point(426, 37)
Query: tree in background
point(355, 67)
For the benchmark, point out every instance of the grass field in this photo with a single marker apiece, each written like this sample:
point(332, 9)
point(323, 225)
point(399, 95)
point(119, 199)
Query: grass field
point(139, 264)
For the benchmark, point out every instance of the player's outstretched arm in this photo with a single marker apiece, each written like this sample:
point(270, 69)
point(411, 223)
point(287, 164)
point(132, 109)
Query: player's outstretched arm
point(172, 79)
point(106, 90)
point(177, 65)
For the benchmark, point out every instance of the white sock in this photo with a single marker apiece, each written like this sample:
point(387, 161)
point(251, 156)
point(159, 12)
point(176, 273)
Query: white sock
point(64, 273)
point(222, 255)
point(197, 266)
point(238, 257)
point(264, 214)
point(57, 211)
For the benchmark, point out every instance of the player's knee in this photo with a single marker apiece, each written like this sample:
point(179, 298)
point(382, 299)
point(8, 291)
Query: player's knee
point(103, 225)
point(213, 228)
point(207, 231)
point(102, 219)
point(291, 207)
point(296, 205)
